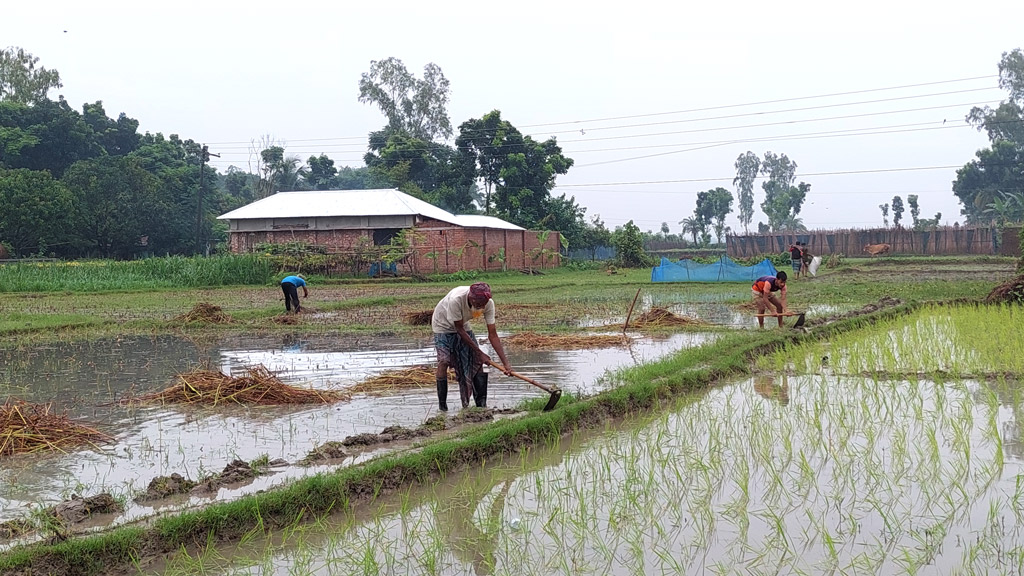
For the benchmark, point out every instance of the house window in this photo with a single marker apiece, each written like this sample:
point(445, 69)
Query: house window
point(383, 236)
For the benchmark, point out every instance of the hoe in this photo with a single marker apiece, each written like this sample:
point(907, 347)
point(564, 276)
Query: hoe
point(554, 392)
point(799, 320)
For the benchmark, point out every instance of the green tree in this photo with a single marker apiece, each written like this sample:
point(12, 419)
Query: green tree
point(691, 226)
point(782, 199)
point(289, 174)
point(21, 81)
point(35, 214)
point(629, 247)
point(897, 211)
point(712, 208)
point(118, 203)
point(1007, 207)
point(321, 172)
point(360, 178)
point(1005, 121)
point(793, 223)
point(1000, 168)
point(885, 213)
point(748, 166)
point(175, 164)
point(596, 236)
point(45, 136)
point(117, 137)
point(413, 106)
point(915, 210)
point(432, 172)
point(520, 170)
point(566, 217)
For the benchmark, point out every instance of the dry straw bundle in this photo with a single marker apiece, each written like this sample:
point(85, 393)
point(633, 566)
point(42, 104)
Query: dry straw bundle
point(205, 312)
point(421, 318)
point(1011, 291)
point(26, 428)
point(536, 341)
point(413, 378)
point(257, 386)
point(658, 317)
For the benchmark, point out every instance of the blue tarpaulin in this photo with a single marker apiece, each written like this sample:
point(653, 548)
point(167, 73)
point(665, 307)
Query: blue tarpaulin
point(725, 270)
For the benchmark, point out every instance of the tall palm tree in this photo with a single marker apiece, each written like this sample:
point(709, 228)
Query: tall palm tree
point(288, 173)
point(794, 223)
point(691, 226)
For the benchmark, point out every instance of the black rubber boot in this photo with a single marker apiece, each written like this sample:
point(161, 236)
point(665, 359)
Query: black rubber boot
point(442, 394)
point(480, 389)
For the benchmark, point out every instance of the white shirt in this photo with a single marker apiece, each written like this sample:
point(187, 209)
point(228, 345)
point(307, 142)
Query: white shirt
point(455, 307)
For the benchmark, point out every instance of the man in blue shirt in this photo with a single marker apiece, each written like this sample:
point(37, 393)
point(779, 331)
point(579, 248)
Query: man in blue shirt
point(290, 287)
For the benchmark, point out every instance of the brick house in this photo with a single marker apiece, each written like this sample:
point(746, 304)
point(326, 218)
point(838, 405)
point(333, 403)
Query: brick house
point(347, 221)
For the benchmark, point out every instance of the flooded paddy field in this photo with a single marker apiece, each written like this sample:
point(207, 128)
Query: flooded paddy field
point(910, 462)
point(88, 379)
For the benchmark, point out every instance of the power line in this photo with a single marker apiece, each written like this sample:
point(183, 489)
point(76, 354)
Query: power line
point(710, 108)
point(690, 131)
point(794, 99)
point(867, 131)
point(811, 136)
point(815, 192)
point(730, 178)
point(803, 109)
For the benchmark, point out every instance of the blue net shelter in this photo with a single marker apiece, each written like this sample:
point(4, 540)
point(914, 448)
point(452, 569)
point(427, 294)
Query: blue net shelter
point(725, 270)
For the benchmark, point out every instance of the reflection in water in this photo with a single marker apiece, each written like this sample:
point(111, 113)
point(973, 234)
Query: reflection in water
point(88, 379)
point(850, 479)
point(764, 384)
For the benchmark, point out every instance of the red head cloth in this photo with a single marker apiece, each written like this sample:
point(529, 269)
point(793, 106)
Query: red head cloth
point(480, 290)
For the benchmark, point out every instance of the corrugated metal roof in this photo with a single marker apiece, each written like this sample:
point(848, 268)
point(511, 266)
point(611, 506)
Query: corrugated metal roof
point(478, 221)
point(379, 202)
point(312, 203)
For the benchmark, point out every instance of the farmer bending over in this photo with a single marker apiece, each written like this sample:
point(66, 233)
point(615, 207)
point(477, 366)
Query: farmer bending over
point(763, 288)
point(456, 344)
point(290, 287)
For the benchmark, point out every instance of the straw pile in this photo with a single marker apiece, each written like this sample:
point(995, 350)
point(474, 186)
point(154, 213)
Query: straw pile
point(205, 312)
point(413, 378)
point(1009, 291)
point(26, 428)
point(657, 317)
point(257, 386)
point(421, 318)
point(286, 319)
point(534, 341)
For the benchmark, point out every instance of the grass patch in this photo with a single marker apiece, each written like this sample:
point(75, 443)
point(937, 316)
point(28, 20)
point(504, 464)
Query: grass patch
point(146, 274)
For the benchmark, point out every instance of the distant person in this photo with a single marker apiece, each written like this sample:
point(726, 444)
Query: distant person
point(290, 286)
point(796, 257)
point(763, 288)
point(807, 258)
point(456, 345)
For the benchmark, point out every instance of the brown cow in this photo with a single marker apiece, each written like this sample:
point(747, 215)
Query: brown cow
point(876, 249)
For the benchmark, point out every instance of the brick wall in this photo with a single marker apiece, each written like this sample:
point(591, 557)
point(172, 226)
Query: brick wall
point(439, 246)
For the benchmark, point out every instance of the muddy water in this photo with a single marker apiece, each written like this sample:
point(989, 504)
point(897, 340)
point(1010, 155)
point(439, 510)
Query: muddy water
point(88, 379)
point(776, 474)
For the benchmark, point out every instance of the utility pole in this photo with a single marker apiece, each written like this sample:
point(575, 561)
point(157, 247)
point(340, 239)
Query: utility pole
point(204, 157)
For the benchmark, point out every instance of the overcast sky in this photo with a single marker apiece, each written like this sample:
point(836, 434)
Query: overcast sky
point(682, 80)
